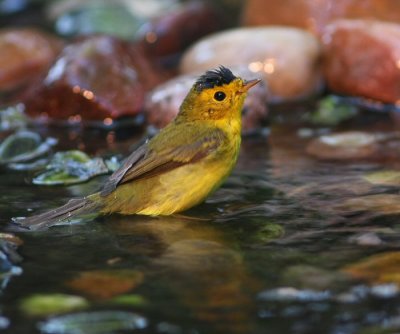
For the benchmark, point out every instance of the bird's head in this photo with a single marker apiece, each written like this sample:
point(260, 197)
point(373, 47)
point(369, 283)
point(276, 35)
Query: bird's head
point(217, 94)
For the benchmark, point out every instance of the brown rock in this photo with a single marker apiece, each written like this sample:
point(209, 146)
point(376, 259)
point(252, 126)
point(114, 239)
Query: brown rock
point(96, 78)
point(315, 15)
point(162, 104)
point(287, 58)
point(175, 31)
point(363, 58)
point(25, 55)
point(344, 146)
point(104, 284)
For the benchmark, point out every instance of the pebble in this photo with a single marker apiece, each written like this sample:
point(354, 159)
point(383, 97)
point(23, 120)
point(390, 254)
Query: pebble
point(343, 146)
point(99, 78)
point(366, 239)
point(362, 58)
point(293, 294)
point(315, 15)
point(25, 55)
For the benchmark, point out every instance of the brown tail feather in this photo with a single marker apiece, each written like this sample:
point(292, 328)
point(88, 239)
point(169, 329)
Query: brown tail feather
point(71, 210)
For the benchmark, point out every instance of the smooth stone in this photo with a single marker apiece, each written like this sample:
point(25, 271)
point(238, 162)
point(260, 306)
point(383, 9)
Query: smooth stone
point(315, 15)
point(344, 146)
point(362, 58)
point(25, 55)
point(287, 58)
point(95, 322)
point(162, 103)
point(98, 78)
point(171, 33)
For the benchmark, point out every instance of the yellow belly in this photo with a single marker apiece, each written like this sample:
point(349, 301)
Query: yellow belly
point(174, 191)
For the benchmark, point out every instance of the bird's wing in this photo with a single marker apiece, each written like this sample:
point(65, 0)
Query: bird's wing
point(152, 159)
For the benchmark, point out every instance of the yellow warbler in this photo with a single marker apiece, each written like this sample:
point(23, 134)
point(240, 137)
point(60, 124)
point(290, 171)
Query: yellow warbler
point(178, 168)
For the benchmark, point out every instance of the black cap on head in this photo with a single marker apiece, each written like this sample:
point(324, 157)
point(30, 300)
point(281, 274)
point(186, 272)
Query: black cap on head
point(218, 77)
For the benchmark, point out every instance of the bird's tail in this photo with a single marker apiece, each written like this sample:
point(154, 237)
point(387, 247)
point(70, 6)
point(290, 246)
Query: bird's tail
point(69, 212)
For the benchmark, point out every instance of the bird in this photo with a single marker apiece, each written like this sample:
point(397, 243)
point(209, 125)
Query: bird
point(180, 166)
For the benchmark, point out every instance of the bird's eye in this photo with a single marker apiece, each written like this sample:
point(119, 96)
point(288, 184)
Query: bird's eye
point(219, 96)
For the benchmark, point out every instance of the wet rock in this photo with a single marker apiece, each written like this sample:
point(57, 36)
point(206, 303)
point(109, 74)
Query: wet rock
point(386, 204)
point(385, 290)
point(366, 239)
point(343, 146)
point(44, 305)
point(310, 277)
point(173, 32)
point(131, 300)
point(104, 284)
point(289, 294)
point(287, 58)
point(100, 322)
point(381, 268)
point(25, 57)
point(72, 167)
point(331, 111)
point(361, 57)
point(24, 146)
point(315, 15)
point(162, 104)
point(359, 293)
point(96, 78)
point(385, 177)
point(193, 255)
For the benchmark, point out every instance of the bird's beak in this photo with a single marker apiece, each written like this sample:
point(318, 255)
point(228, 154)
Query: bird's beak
point(247, 84)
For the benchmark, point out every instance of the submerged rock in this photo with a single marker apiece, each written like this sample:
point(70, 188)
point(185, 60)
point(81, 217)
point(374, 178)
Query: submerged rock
point(162, 103)
point(100, 322)
point(48, 304)
point(105, 284)
point(97, 78)
point(331, 111)
point(287, 58)
point(315, 15)
point(361, 57)
point(384, 177)
point(381, 204)
point(343, 146)
point(290, 294)
point(381, 268)
point(23, 146)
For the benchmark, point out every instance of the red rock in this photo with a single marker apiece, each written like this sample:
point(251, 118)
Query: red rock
point(25, 55)
point(172, 33)
point(363, 58)
point(96, 78)
point(315, 15)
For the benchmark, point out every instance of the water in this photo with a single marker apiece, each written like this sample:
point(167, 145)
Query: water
point(267, 253)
